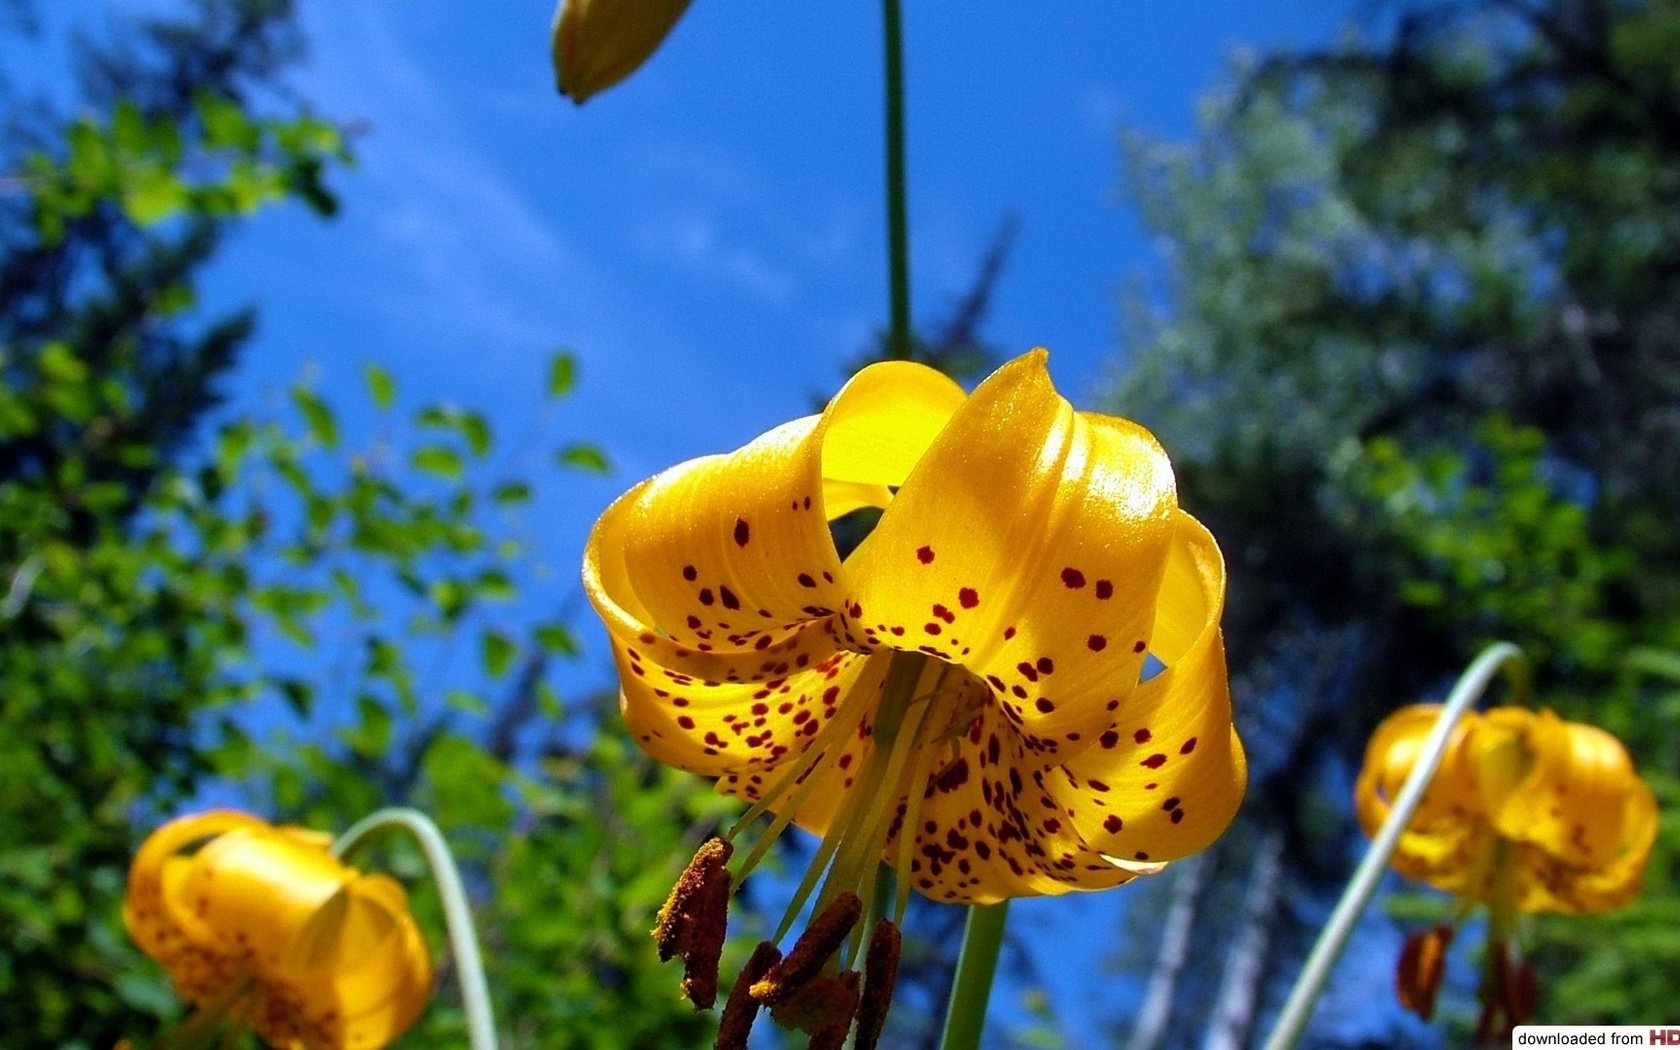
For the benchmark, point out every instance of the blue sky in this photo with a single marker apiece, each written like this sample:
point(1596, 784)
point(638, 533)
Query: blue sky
point(708, 237)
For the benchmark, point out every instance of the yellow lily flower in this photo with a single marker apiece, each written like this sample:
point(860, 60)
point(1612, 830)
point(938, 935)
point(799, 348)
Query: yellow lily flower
point(1527, 813)
point(263, 925)
point(597, 43)
point(960, 696)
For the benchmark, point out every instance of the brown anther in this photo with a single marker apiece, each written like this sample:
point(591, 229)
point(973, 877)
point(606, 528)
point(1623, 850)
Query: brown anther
point(819, 1007)
point(741, 1009)
point(694, 919)
point(820, 940)
point(1422, 963)
point(880, 973)
point(1511, 999)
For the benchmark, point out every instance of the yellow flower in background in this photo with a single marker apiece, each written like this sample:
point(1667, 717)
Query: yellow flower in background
point(1527, 813)
point(1015, 685)
point(264, 926)
point(597, 43)
point(1548, 812)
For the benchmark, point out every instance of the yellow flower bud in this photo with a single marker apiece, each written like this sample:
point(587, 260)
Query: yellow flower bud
point(597, 43)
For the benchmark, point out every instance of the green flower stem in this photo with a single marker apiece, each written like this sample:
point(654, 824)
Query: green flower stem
point(457, 915)
point(965, 1017)
point(898, 223)
point(1469, 688)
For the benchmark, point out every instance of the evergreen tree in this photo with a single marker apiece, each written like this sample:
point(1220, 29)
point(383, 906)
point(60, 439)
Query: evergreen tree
point(1420, 371)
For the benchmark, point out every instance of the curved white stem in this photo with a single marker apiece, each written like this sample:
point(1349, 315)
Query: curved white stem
point(457, 914)
point(1469, 688)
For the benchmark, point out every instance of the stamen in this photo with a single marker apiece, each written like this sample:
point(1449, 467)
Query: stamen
point(915, 792)
point(1418, 973)
point(812, 951)
point(741, 1009)
point(694, 919)
point(863, 842)
point(880, 974)
point(821, 1007)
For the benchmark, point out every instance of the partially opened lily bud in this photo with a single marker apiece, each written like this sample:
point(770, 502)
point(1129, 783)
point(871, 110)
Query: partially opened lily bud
point(597, 43)
point(1527, 813)
point(264, 925)
point(1015, 685)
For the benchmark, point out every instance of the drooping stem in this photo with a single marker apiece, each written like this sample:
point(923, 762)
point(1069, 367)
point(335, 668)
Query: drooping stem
point(457, 915)
point(1468, 689)
point(965, 1016)
point(898, 222)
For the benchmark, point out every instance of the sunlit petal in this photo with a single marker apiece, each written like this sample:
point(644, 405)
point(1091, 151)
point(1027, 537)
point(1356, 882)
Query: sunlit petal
point(1028, 546)
point(1168, 772)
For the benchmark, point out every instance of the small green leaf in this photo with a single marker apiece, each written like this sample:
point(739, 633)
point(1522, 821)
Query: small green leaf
point(498, 651)
point(323, 425)
point(441, 460)
point(585, 457)
point(562, 373)
point(380, 386)
point(556, 639)
point(463, 700)
point(511, 494)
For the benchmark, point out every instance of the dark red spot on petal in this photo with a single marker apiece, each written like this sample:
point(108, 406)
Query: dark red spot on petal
point(728, 598)
point(741, 532)
point(685, 721)
point(690, 573)
point(706, 596)
point(1046, 665)
point(925, 555)
point(1096, 643)
point(1109, 739)
point(1045, 705)
point(806, 581)
point(1105, 589)
point(968, 597)
point(1189, 746)
point(1140, 646)
point(1141, 736)
point(1113, 824)
point(1073, 577)
point(1155, 761)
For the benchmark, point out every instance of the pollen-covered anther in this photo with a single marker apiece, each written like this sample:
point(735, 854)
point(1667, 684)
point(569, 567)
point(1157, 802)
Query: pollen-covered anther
point(1422, 963)
point(812, 951)
point(821, 1007)
point(693, 921)
point(880, 974)
point(741, 1009)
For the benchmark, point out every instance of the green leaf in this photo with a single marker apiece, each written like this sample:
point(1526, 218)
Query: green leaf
point(380, 386)
point(562, 373)
point(60, 364)
point(585, 457)
point(440, 460)
point(463, 700)
point(511, 494)
point(323, 425)
point(556, 639)
point(498, 652)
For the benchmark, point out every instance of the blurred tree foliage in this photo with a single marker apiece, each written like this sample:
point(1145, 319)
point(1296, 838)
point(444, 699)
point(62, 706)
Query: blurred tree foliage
point(1418, 366)
point(270, 613)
